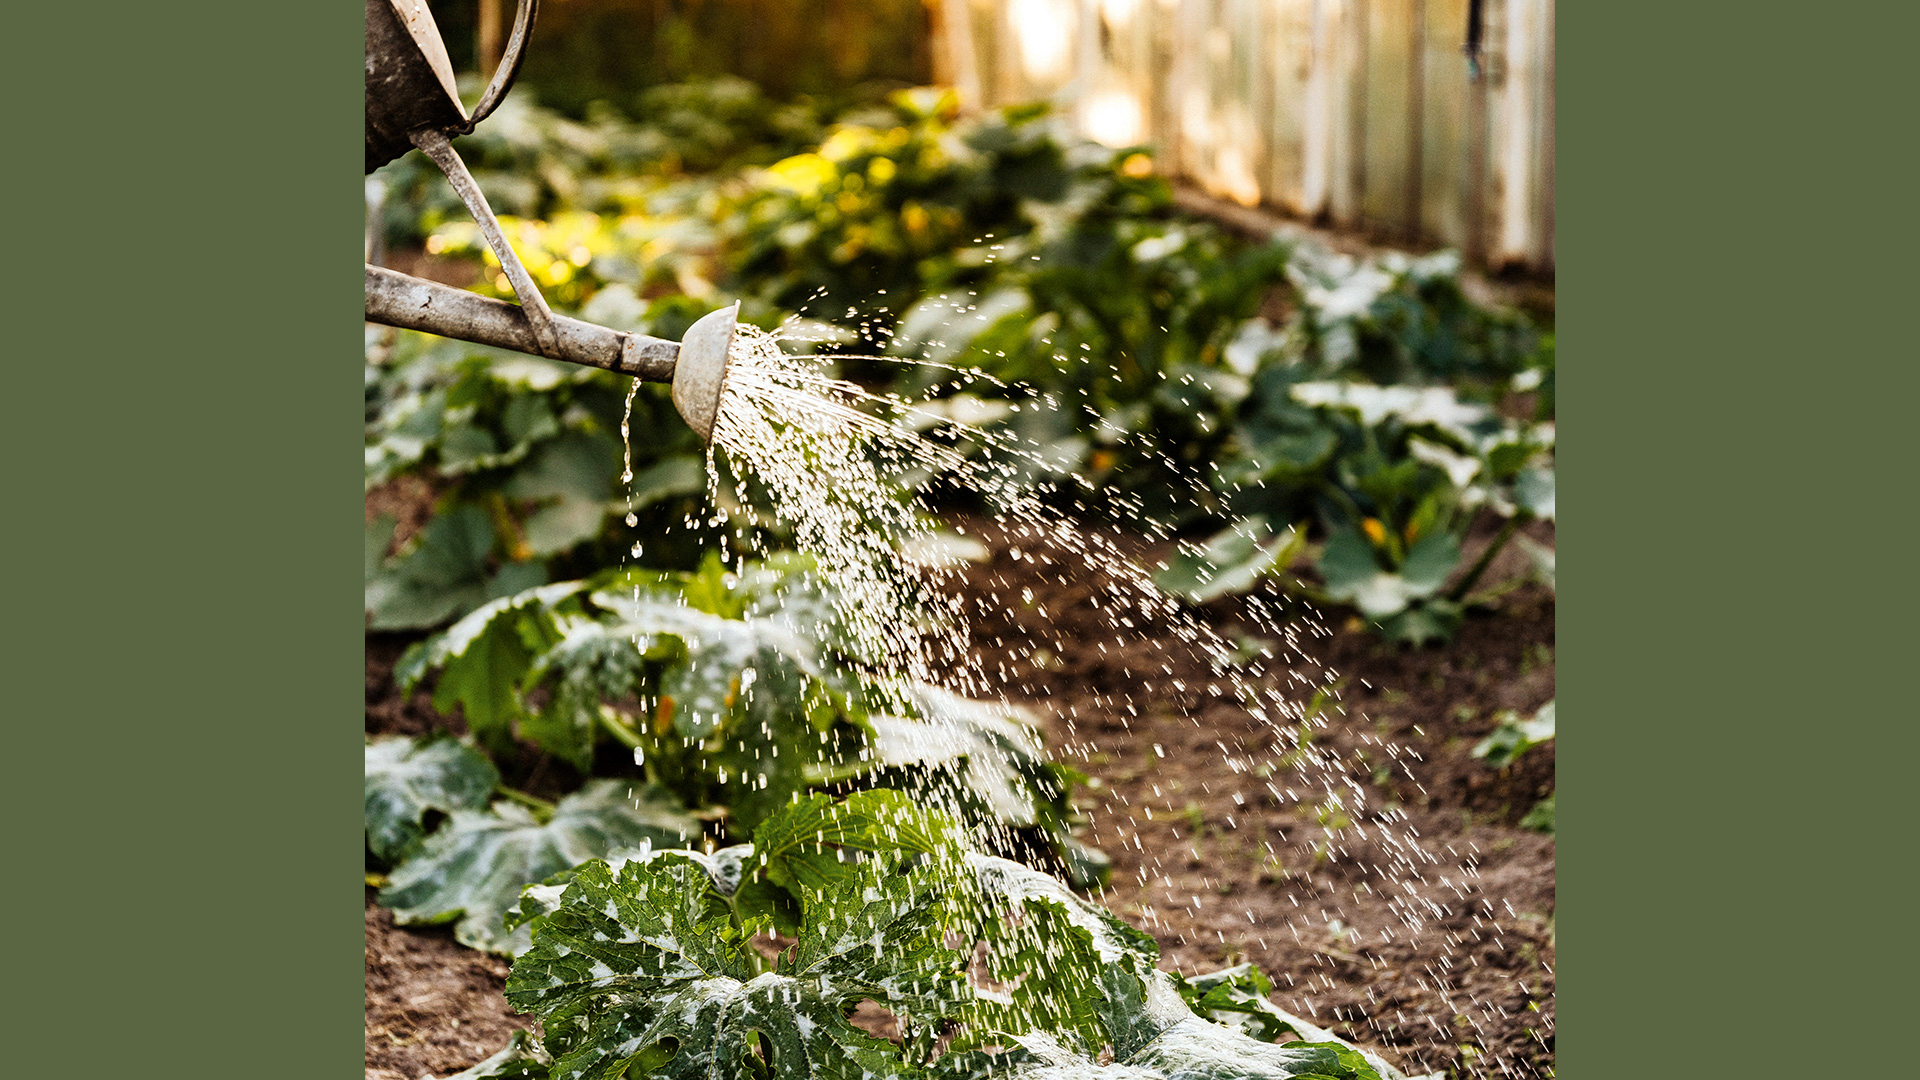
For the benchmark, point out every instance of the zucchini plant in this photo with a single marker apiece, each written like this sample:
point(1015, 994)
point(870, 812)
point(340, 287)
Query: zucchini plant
point(735, 689)
point(726, 693)
point(667, 964)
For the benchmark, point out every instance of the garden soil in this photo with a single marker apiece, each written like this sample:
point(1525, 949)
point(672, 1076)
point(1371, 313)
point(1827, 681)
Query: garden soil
point(1205, 859)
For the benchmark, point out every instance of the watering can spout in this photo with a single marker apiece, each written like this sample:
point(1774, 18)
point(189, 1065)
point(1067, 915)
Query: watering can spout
point(700, 371)
point(696, 366)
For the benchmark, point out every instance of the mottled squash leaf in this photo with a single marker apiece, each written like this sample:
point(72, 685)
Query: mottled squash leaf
point(406, 778)
point(473, 868)
point(640, 970)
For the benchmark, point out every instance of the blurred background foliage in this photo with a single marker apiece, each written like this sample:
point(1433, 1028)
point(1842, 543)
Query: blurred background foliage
point(1338, 424)
point(584, 51)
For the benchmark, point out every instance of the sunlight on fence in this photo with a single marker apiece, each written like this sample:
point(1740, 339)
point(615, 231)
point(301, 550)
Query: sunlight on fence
point(1364, 114)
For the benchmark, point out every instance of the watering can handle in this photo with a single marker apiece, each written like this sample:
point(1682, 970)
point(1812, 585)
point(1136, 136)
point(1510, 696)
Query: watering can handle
point(509, 68)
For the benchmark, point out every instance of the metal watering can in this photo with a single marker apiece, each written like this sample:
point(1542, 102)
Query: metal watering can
point(411, 102)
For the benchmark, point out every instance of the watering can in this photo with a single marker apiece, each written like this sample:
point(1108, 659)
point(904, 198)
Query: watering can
point(412, 102)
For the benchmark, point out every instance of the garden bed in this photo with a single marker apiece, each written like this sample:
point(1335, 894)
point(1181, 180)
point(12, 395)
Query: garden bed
point(1472, 992)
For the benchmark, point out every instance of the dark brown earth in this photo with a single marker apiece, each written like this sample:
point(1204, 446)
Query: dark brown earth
point(1223, 871)
point(433, 1006)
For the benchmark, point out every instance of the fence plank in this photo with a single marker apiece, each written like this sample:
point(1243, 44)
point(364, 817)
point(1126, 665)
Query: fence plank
point(1287, 39)
point(1384, 192)
point(1348, 162)
point(1447, 129)
point(1519, 241)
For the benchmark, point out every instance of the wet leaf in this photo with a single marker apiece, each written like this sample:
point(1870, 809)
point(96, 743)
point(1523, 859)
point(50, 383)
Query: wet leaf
point(405, 778)
point(472, 869)
point(1231, 561)
point(640, 968)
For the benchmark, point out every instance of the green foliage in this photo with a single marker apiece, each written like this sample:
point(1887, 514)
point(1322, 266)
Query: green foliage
point(1514, 737)
point(984, 763)
point(1540, 818)
point(738, 689)
point(533, 162)
point(406, 779)
point(473, 868)
point(446, 570)
point(1232, 561)
point(645, 966)
point(524, 456)
point(1395, 476)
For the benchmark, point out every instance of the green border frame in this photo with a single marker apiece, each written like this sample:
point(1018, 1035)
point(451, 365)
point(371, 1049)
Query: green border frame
point(185, 427)
point(1736, 379)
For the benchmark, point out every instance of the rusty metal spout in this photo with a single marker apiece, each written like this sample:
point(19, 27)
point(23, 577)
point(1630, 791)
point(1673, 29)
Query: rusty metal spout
point(696, 366)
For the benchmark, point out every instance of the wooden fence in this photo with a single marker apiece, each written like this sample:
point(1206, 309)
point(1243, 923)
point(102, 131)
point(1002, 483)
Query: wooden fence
point(1361, 114)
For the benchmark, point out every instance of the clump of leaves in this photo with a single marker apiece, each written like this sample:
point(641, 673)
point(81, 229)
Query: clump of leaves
point(534, 162)
point(524, 456)
point(473, 868)
point(646, 966)
point(738, 689)
point(1394, 476)
point(1514, 737)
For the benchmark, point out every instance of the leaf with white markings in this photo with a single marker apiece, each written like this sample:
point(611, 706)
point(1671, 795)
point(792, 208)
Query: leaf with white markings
point(405, 779)
point(640, 970)
point(473, 868)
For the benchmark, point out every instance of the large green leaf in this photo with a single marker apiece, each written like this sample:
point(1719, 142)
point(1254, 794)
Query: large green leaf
point(576, 473)
point(640, 969)
point(984, 763)
point(484, 657)
point(804, 847)
point(1353, 576)
point(1428, 562)
point(985, 753)
point(1231, 561)
point(442, 575)
point(406, 778)
point(727, 662)
point(473, 868)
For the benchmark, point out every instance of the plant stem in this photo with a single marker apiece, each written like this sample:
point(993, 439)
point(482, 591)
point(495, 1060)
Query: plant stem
point(541, 808)
point(618, 728)
point(1486, 558)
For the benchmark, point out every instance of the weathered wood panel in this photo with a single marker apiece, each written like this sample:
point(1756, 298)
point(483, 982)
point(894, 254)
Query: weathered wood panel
point(1390, 125)
point(1363, 114)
